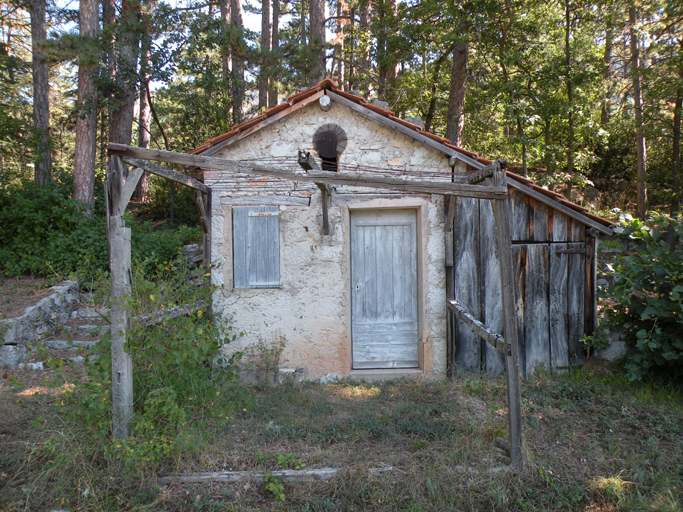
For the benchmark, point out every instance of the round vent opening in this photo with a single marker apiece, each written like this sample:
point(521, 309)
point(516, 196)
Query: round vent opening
point(329, 141)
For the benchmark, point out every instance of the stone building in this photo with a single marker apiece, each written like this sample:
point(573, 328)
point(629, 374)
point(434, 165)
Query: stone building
point(358, 286)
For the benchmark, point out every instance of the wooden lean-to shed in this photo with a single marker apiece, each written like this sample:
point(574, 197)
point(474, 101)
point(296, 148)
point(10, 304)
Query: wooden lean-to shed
point(361, 281)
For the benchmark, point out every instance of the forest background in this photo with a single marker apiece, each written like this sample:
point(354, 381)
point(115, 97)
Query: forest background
point(582, 96)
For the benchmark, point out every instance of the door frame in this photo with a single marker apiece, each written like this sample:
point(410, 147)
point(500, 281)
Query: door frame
point(384, 204)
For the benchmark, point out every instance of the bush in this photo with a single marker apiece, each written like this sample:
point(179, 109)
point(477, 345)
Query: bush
point(43, 232)
point(180, 378)
point(648, 290)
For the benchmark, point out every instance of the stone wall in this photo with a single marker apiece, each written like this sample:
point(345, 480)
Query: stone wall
point(38, 322)
point(311, 309)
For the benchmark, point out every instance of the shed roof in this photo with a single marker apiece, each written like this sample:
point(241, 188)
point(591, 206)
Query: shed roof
point(387, 117)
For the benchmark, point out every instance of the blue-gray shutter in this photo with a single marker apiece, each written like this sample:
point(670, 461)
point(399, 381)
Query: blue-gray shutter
point(256, 246)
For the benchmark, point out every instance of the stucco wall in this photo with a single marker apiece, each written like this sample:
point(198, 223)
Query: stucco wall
point(311, 309)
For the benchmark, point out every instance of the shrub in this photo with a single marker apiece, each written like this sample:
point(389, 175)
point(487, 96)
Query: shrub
point(43, 232)
point(180, 378)
point(648, 290)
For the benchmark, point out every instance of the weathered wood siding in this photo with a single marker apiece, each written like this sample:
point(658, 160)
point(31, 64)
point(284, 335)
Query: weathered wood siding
point(553, 284)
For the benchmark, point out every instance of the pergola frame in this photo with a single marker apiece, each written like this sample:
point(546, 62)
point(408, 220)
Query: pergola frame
point(119, 189)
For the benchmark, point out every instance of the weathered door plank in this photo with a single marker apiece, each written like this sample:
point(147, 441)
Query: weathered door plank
point(384, 326)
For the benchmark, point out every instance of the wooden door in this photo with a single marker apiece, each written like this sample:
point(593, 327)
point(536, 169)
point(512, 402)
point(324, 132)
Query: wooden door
point(384, 289)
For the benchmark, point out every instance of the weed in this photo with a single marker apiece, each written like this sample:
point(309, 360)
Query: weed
point(275, 487)
point(264, 356)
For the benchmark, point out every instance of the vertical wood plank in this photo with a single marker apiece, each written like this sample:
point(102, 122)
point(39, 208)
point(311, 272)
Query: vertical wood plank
point(519, 260)
point(560, 227)
point(540, 222)
point(576, 281)
point(502, 216)
point(492, 313)
point(121, 360)
point(559, 350)
point(519, 216)
point(536, 308)
point(467, 279)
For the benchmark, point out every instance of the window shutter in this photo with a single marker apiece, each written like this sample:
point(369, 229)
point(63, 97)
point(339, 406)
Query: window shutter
point(256, 246)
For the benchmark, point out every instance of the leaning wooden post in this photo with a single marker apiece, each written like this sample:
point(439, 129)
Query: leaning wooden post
point(119, 264)
point(501, 212)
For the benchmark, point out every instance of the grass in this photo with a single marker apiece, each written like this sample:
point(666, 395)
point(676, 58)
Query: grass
point(593, 442)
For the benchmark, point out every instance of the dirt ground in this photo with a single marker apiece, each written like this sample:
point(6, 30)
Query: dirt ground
point(19, 293)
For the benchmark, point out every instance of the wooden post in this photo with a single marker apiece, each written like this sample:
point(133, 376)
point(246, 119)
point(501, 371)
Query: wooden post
point(501, 213)
point(119, 263)
point(325, 197)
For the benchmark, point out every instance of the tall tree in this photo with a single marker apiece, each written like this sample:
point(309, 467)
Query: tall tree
point(317, 40)
point(126, 77)
point(41, 90)
point(274, 45)
point(265, 54)
point(456, 96)
point(641, 155)
point(86, 120)
point(238, 56)
point(145, 98)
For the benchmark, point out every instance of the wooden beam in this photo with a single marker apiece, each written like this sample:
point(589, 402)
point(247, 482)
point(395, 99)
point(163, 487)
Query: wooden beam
point(307, 162)
point(259, 126)
point(129, 187)
point(266, 201)
point(583, 219)
point(501, 213)
point(480, 175)
point(492, 338)
point(325, 197)
point(201, 209)
point(450, 216)
point(121, 360)
point(178, 177)
point(360, 179)
point(206, 236)
point(115, 180)
point(357, 179)
point(405, 130)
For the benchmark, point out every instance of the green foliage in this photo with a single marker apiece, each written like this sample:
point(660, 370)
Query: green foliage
point(648, 289)
point(275, 487)
point(44, 232)
point(179, 372)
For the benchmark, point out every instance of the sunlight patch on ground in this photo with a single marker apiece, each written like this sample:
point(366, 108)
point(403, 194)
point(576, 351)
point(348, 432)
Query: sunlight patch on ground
point(362, 392)
point(42, 390)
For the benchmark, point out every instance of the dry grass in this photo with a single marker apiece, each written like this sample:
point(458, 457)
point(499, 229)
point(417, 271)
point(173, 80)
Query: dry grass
point(19, 293)
point(593, 442)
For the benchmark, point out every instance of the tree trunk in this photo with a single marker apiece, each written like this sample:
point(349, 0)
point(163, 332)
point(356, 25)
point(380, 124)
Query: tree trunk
point(41, 90)
point(317, 40)
point(238, 51)
point(274, 45)
point(677, 170)
point(364, 43)
point(145, 120)
point(339, 43)
point(456, 94)
point(607, 73)
point(570, 94)
point(435, 80)
point(126, 74)
point(108, 22)
point(641, 152)
point(86, 120)
point(265, 55)
point(226, 57)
